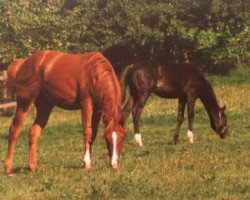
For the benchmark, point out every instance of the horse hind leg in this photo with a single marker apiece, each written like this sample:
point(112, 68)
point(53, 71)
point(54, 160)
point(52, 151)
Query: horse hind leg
point(43, 111)
point(14, 132)
point(126, 110)
point(180, 118)
point(137, 110)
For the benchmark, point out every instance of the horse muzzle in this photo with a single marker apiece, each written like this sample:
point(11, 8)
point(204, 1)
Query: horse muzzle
point(224, 133)
point(114, 163)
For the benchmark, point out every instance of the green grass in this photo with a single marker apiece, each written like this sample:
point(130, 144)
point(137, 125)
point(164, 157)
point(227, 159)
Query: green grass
point(211, 168)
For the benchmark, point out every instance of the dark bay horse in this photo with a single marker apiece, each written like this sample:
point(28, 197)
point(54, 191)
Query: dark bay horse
point(87, 82)
point(182, 81)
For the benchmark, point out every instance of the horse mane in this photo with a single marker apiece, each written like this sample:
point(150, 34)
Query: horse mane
point(208, 95)
point(108, 91)
point(208, 98)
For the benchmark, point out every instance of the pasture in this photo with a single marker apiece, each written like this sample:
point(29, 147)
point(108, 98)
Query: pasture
point(210, 168)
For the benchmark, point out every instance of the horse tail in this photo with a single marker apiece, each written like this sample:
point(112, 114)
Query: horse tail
point(12, 70)
point(21, 79)
point(2, 86)
point(123, 79)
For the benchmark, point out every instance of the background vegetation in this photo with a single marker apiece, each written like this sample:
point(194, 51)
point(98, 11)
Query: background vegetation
point(211, 168)
point(213, 33)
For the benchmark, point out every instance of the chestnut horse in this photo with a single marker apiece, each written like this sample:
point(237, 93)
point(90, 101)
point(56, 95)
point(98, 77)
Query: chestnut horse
point(87, 82)
point(182, 81)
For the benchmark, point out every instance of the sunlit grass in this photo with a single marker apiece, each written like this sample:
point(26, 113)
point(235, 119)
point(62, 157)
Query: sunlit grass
point(211, 168)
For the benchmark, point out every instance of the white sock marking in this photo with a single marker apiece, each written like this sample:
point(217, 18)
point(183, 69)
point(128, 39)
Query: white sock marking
point(114, 161)
point(138, 139)
point(87, 159)
point(190, 136)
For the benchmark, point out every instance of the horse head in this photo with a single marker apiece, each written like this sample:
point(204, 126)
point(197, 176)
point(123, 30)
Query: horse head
point(114, 141)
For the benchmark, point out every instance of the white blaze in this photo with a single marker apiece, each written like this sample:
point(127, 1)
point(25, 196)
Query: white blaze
point(87, 159)
point(190, 136)
point(114, 158)
point(138, 139)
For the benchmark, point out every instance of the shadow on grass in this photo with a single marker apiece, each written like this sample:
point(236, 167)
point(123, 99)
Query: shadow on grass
point(4, 137)
point(21, 170)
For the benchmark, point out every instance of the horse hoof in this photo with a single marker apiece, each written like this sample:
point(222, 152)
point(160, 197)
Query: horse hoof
point(191, 140)
point(33, 168)
point(190, 137)
point(176, 139)
point(138, 139)
point(87, 166)
point(10, 173)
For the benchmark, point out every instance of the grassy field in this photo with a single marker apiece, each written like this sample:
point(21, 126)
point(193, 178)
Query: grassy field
point(211, 168)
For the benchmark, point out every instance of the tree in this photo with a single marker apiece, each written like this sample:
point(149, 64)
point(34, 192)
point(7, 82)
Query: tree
point(213, 33)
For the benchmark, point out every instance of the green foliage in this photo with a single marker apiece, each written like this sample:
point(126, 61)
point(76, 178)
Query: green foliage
point(213, 33)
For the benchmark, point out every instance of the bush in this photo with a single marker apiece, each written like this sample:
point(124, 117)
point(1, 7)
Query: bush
point(212, 33)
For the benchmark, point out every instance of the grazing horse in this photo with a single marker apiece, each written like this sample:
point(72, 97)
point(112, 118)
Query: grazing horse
point(85, 81)
point(182, 81)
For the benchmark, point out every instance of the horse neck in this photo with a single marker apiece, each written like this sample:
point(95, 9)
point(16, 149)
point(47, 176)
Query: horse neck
point(111, 111)
point(210, 103)
point(111, 119)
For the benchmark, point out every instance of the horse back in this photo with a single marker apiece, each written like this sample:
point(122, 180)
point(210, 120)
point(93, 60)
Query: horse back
point(73, 77)
point(142, 76)
point(173, 81)
point(65, 79)
point(59, 76)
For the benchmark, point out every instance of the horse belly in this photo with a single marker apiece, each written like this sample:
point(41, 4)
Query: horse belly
point(165, 91)
point(62, 95)
point(168, 95)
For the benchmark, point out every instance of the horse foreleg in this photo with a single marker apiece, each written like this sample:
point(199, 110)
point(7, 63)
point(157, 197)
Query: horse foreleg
point(95, 121)
point(137, 110)
point(43, 111)
point(180, 118)
point(87, 111)
point(190, 106)
point(14, 133)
